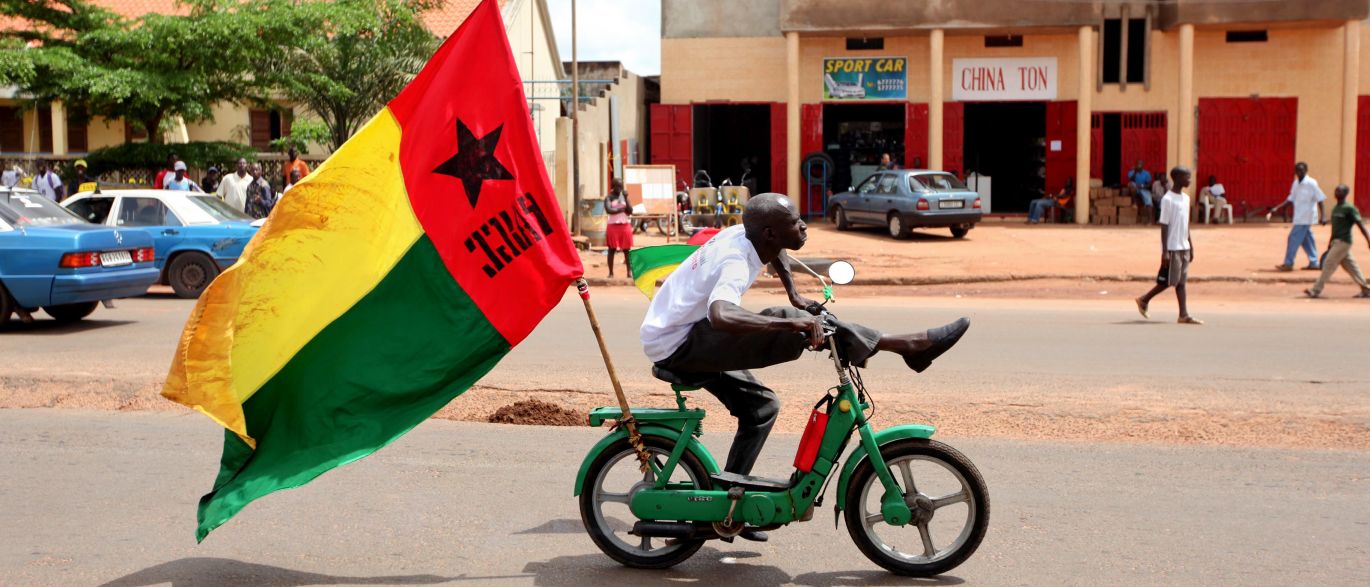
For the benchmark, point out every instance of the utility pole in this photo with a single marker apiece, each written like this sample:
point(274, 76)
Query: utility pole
point(575, 128)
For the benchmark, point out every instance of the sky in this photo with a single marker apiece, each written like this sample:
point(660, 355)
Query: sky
point(611, 30)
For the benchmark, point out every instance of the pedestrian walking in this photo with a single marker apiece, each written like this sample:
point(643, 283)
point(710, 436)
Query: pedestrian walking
point(1306, 198)
point(160, 181)
point(619, 234)
point(178, 180)
point(233, 187)
point(260, 198)
point(47, 183)
point(1177, 249)
point(1338, 254)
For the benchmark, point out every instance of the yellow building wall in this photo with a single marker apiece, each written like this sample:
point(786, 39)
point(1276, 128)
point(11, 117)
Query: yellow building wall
point(746, 69)
point(103, 132)
point(230, 124)
point(1304, 63)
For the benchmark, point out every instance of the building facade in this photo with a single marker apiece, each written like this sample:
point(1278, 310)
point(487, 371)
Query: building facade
point(1028, 94)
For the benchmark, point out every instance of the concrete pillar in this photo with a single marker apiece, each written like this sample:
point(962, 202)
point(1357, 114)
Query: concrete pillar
point(792, 130)
point(935, 100)
point(1084, 104)
point(1185, 121)
point(59, 127)
point(1350, 85)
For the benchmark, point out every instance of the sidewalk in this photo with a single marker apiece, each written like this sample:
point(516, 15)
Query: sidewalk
point(1009, 251)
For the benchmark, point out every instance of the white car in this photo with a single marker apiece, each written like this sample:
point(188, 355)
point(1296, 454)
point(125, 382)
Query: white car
point(838, 89)
point(197, 235)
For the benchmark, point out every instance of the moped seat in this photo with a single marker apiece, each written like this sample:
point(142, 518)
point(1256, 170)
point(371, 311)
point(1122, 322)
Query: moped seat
point(749, 482)
point(679, 381)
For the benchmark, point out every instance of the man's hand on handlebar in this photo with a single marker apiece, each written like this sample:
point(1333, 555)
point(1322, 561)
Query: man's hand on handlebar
point(806, 304)
point(813, 327)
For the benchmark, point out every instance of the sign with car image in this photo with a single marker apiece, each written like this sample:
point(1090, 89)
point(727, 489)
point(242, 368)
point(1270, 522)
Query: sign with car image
point(865, 78)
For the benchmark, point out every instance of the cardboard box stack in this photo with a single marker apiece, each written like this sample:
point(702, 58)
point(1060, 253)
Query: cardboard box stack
point(1112, 206)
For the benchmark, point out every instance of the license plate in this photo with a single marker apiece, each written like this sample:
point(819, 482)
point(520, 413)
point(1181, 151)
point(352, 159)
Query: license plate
point(951, 204)
point(116, 258)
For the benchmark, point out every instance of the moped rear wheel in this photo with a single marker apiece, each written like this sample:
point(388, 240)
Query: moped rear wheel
point(948, 498)
point(612, 479)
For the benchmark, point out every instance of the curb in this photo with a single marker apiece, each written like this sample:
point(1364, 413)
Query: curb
point(1001, 278)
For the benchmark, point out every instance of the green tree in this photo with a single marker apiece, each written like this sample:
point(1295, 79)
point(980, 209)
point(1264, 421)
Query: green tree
point(153, 68)
point(372, 49)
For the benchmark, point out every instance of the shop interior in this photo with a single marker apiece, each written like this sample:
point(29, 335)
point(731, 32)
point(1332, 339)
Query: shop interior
point(855, 135)
point(733, 142)
point(1113, 149)
point(1007, 142)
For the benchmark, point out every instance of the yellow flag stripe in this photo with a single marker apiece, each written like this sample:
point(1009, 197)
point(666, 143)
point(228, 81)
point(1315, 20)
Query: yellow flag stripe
point(328, 242)
point(647, 280)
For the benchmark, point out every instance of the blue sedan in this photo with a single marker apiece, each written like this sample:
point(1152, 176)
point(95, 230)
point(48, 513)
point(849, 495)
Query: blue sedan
point(197, 235)
point(52, 259)
point(905, 199)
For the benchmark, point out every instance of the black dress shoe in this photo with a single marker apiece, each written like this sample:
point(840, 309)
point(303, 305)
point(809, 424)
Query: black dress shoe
point(754, 535)
point(942, 338)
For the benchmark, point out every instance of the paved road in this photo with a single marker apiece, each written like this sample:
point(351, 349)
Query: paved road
point(1280, 374)
point(109, 498)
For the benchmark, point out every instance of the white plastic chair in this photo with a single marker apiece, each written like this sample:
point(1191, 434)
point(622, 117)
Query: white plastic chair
point(1208, 205)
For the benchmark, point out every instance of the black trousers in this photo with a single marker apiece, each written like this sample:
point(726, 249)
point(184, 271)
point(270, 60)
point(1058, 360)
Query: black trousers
point(719, 362)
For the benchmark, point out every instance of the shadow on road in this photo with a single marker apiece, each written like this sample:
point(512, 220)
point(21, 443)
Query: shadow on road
point(41, 326)
point(708, 566)
point(215, 572)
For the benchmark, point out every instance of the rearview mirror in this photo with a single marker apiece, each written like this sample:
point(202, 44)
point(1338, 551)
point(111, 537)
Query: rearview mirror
point(841, 272)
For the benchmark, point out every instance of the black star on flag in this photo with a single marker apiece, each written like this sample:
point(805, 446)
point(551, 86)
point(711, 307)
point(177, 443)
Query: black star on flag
point(475, 161)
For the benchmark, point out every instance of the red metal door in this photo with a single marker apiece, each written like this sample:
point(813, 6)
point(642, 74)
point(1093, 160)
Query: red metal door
point(1142, 137)
point(672, 138)
point(1061, 125)
point(779, 133)
point(1248, 143)
point(1096, 146)
point(953, 135)
point(916, 136)
point(811, 128)
point(1363, 151)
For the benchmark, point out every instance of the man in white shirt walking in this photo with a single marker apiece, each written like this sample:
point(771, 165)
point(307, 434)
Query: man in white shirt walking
point(1177, 249)
point(233, 187)
point(1306, 198)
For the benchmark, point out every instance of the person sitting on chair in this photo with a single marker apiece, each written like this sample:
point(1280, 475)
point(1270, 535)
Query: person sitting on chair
point(1038, 208)
point(1215, 195)
point(696, 331)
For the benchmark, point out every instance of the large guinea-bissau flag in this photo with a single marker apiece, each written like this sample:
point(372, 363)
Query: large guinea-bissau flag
point(384, 284)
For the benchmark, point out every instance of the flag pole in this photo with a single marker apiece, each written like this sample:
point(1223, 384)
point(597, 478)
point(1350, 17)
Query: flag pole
point(583, 288)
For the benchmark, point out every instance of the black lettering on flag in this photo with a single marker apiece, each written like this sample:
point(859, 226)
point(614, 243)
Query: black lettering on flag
point(521, 240)
point(472, 241)
point(530, 205)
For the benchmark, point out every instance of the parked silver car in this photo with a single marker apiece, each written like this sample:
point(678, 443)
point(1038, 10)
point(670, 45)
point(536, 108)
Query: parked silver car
point(905, 199)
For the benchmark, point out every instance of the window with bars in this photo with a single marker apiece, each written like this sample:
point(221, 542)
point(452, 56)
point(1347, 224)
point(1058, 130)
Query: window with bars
point(1123, 48)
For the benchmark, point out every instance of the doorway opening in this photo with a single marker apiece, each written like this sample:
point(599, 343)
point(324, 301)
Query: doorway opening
point(856, 135)
point(733, 142)
point(1113, 150)
point(1007, 142)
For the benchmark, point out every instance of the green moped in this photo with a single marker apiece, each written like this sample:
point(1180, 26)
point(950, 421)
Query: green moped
point(903, 493)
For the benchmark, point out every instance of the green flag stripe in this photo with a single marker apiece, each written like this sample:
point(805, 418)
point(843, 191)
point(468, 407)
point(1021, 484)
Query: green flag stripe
point(395, 358)
point(647, 258)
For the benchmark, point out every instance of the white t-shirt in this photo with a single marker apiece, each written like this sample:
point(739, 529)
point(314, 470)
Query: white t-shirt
point(47, 185)
point(1217, 190)
point(1306, 195)
point(233, 190)
point(723, 269)
point(1175, 214)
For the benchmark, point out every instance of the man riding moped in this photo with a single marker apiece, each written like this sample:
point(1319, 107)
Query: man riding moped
point(696, 331)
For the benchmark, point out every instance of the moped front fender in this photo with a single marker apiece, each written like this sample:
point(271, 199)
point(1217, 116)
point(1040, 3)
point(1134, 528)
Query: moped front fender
point(882, 438)
point(694, 446)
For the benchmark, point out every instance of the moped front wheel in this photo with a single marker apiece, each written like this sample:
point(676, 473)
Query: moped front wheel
point(947, 496)
point(610, 482)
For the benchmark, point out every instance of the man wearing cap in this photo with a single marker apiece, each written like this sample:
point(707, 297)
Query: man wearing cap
point(178, 180)
point(79, 177)
point(210, 184)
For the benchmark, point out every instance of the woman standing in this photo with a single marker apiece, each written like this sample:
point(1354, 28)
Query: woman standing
point(619, 234)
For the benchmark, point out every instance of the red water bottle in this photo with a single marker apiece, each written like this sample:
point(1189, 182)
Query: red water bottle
point(813, 435)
